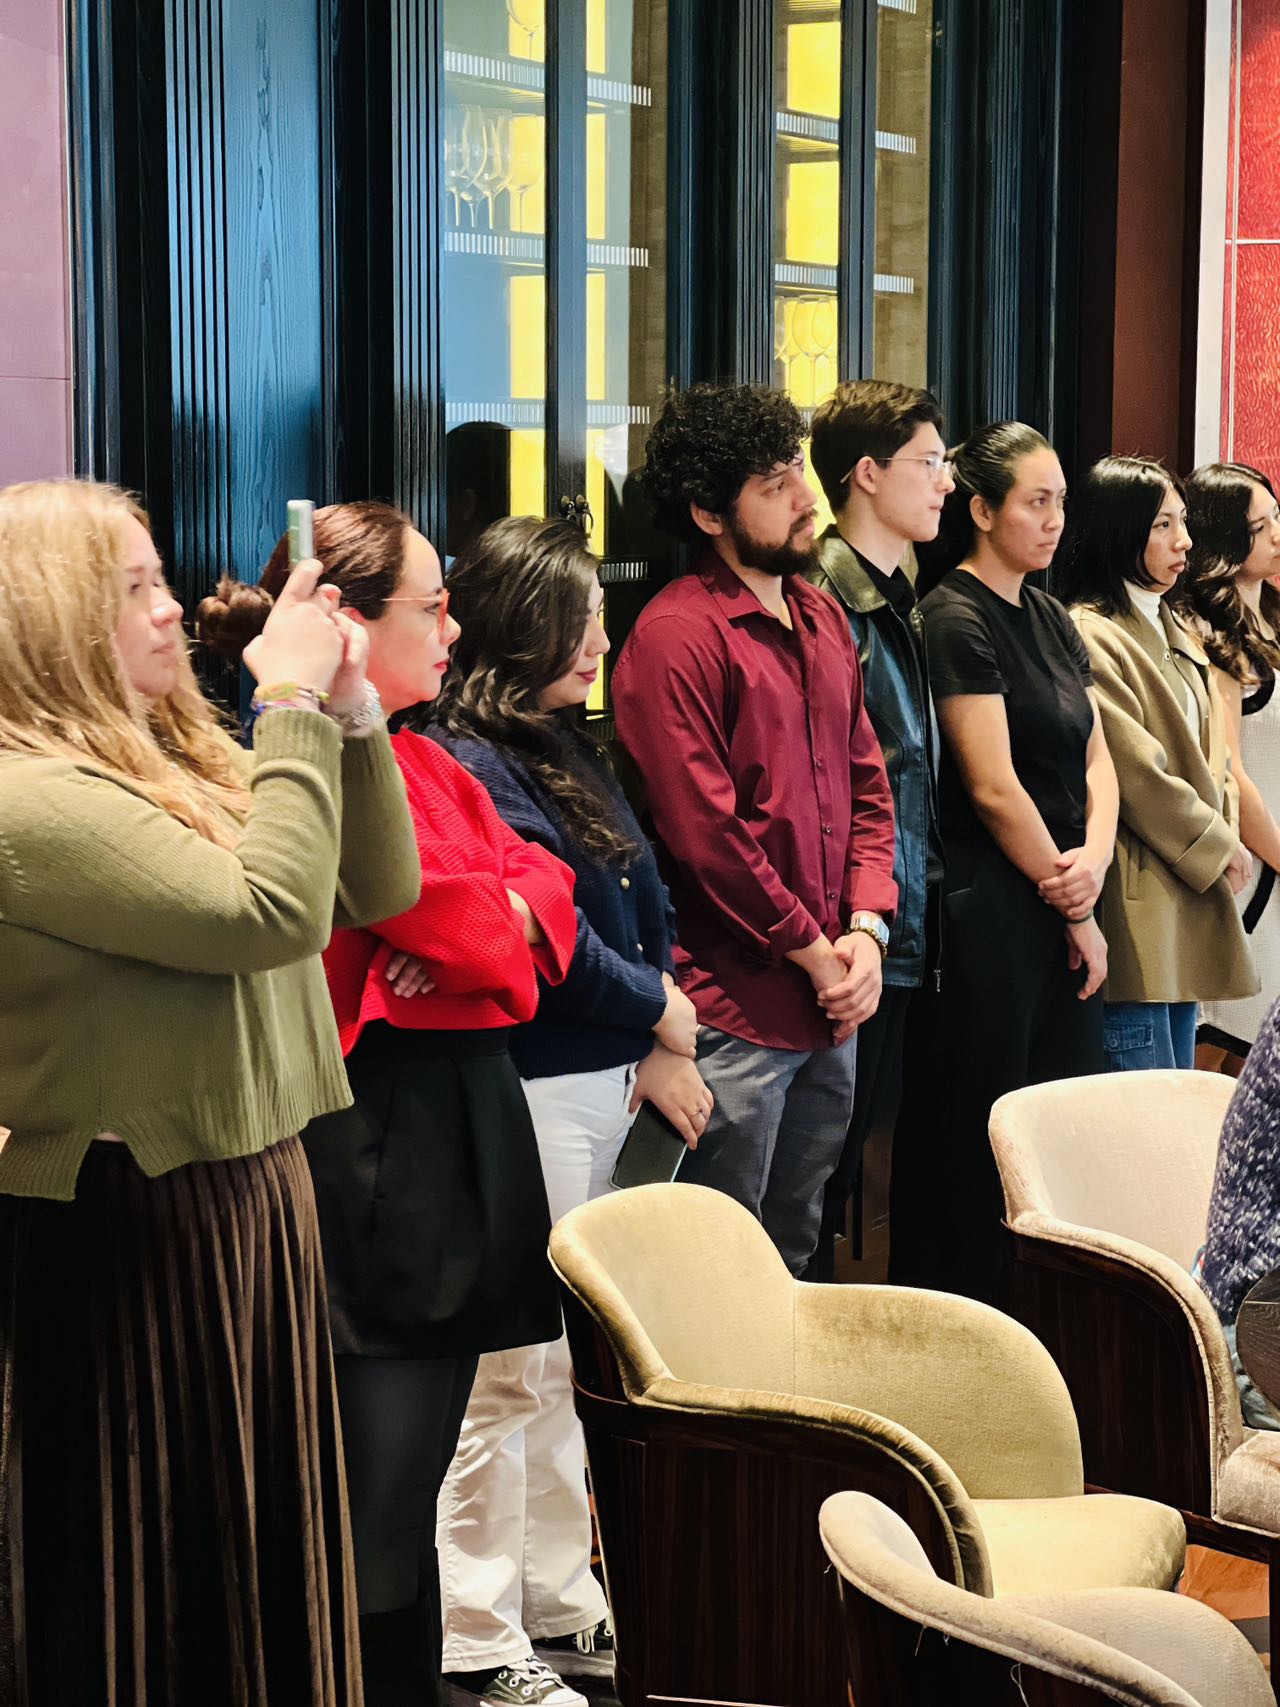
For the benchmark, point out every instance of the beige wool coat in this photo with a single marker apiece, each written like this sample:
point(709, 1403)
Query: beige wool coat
point(1171, 923)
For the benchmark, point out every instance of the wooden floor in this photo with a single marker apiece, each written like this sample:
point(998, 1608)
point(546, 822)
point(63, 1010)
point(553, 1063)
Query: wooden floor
point(1237, 1588)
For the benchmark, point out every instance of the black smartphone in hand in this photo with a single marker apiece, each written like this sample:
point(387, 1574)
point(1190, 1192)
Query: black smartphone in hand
point(651, 1152)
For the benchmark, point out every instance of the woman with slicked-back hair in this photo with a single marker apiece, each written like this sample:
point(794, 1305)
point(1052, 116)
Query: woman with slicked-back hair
point(172, 1519)
point(1229, 596)
point(1027, 804)
point(433, 1215)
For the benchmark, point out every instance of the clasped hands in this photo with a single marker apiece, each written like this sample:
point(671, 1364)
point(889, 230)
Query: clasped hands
point(846, 976)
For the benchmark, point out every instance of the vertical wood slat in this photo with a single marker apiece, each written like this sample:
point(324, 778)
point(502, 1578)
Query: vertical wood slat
point(417, 82)
point(566, 251)
point(859, 34)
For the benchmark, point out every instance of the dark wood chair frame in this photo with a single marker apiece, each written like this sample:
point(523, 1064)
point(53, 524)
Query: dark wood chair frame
point(721, 1593)
point(1134, 1371)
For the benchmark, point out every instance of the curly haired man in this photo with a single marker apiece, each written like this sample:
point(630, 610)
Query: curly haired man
point(739, 697)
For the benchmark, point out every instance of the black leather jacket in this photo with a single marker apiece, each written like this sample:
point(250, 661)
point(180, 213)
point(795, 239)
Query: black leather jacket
point(896, 684)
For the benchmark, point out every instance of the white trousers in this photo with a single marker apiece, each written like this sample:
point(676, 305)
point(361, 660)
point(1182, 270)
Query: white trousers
point(513, 1522)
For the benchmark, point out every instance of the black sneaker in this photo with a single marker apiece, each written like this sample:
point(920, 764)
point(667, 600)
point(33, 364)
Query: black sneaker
point(593, 1645)
point(525, 1683)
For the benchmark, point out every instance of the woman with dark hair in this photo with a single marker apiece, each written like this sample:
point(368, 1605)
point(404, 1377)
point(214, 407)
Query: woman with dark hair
point(1027, 804)
point(515, 1529)
point(433, 1215)
point(1173, 932)
point(1229, 595)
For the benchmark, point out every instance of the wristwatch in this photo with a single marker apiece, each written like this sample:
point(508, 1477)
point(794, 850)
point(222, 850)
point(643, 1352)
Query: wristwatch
point(874, 927)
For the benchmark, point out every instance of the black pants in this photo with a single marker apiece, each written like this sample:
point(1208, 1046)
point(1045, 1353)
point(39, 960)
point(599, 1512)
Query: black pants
point(401, 1418)
point(1008, 1014)
point(877, 1089)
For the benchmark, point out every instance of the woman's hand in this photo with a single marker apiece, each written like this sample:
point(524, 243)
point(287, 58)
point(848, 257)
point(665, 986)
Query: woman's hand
point(1239, 868)
point(524, 912)
point(1087, 947)
point(407, 975)
point(1078, 884)
point(674, 1086)
point(349, 686)
point(677, 1030)
point(301, 642)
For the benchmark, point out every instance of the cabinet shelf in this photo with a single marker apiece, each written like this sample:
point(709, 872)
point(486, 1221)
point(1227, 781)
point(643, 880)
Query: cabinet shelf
point(799, 276)
point(808, 127)
point(528, 76)
point(531, 413)
point(529, 248)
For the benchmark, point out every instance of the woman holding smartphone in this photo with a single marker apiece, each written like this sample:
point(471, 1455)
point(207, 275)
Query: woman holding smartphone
point(1027, 804)
point(172, 1522)
point(515, 1529)
point(433, 1213)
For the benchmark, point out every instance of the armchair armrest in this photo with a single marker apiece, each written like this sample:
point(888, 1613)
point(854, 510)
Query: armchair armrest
point(1143, 1354)
point(969, 1380)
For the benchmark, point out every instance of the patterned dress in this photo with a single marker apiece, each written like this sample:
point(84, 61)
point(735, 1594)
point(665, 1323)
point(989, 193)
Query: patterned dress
point(1235, 1025)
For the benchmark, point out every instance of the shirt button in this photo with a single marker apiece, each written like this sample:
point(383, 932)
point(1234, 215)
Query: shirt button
point(626, 883)
point(826, 829)
point(817, 763)
point(831, 894)
point(639, 948)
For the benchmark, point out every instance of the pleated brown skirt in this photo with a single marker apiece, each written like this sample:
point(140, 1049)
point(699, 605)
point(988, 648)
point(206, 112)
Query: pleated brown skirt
point(173, 1524)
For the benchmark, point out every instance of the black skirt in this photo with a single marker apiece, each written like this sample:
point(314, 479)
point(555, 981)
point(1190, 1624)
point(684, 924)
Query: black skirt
point(173, 1525)
point(433, 1211)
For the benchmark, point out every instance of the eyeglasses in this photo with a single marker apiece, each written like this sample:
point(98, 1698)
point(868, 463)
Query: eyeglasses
point(438, 602)
point(937, 467)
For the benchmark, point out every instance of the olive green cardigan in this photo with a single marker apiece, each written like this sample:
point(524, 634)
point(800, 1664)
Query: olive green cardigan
point(158, 987)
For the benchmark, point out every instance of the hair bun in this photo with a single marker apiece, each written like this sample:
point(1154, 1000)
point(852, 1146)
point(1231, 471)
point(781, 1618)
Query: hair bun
point(233, 616)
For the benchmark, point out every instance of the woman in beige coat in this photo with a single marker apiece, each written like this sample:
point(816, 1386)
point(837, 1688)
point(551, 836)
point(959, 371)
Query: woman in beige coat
point(1174, 936)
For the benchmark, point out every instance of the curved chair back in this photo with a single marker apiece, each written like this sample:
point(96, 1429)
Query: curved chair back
point(914, 1641)
point(1127, 1153)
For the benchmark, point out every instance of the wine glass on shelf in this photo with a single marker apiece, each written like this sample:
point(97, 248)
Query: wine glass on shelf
point(826, 333)
point(529, 16)
point(454, 161)
point(527, 141)
point(802, 333)
point(497, 162)
point(475, 147)
point(784, 344)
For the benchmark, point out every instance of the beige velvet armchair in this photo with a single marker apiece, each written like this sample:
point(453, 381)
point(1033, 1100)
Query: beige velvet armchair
point(1107, 1183)
point(723, 1401)
point(915, 1640)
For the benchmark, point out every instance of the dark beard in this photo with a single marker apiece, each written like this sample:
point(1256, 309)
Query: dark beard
point(787, 559)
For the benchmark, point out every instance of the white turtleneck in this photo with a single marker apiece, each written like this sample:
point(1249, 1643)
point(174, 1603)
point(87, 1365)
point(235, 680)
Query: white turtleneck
point(1146, 601)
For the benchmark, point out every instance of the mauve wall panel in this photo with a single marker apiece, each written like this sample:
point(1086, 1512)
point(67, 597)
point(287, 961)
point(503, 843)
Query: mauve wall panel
point(35, 435)
point(1257, 391)
point(1259, 215)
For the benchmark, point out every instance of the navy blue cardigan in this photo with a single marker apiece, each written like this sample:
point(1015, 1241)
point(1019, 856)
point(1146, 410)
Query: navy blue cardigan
point(604, 1012)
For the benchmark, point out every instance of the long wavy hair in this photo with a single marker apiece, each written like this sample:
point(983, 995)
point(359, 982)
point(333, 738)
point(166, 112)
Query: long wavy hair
point(1219, 496)
point(63, 695)
point(522, 594)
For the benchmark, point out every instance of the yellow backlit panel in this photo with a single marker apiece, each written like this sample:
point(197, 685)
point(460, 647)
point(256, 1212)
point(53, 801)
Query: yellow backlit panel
point(597, 52)
point(597, 318)
point(527, 29)
point(813, 212)
point(597, 488)
point(528, 472)
point(813, 69)
point(528, 332)
point(597, 179)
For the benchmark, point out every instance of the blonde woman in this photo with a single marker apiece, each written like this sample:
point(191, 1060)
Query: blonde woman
point(172, 1517)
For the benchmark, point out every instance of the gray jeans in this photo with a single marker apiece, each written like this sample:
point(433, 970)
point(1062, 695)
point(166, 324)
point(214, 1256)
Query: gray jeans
point(775, 1134)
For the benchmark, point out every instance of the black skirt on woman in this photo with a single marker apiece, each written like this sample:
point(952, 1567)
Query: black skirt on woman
point(433, 1211)
point(173, 1524)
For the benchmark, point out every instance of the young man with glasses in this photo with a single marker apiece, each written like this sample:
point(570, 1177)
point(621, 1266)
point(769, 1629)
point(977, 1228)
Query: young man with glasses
point(739, 697)
point(877, 448)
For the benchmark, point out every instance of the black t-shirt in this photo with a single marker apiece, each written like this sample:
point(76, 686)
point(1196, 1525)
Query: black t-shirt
point(1032, 655)
point(896, 586)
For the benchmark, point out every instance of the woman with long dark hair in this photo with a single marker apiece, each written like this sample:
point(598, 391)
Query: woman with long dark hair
point(1173, 933)
point(515, 1530)
point(1229, 596)
point(1027, 804)
point(172, 1513)
point(433, 1214)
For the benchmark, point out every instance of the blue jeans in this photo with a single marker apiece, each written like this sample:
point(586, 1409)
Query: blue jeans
point(1140, 1035)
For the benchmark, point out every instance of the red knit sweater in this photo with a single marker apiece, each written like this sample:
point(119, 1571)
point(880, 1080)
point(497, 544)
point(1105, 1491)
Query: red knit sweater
point(462, 925)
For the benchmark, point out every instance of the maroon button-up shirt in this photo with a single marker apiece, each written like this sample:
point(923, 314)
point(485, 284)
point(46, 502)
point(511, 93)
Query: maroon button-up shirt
point(766, 788)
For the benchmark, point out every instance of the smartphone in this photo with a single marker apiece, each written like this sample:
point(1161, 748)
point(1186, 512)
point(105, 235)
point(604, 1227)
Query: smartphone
point(651, 1152)
point(301, 533)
